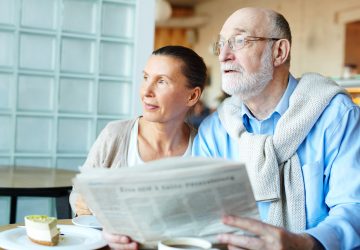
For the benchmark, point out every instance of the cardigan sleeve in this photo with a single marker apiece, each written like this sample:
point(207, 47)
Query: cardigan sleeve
point(109, 150)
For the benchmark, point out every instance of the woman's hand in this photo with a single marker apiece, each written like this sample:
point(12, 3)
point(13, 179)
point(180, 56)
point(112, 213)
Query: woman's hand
point(120, 242)
point(80, 207)
point(266, 237)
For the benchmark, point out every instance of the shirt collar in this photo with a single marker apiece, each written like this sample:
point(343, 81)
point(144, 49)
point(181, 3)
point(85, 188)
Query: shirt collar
point(283, 104)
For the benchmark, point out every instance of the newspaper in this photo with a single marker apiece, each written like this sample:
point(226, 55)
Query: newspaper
point(172, 197)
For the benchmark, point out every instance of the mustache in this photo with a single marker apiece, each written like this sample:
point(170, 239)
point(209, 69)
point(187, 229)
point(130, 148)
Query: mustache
point(231, 66)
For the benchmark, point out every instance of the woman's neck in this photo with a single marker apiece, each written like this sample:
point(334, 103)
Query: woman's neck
point(158, 140)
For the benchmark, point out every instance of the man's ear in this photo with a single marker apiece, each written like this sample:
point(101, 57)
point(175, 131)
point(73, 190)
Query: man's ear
point(281, 52)
point(194, 96)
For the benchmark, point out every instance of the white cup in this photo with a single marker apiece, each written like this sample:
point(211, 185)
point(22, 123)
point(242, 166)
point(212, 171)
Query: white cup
point(184, 243)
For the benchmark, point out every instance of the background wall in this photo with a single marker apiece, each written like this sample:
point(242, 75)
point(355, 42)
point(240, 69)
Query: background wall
point(67, 68)
point(318, 29)
point(352, 45)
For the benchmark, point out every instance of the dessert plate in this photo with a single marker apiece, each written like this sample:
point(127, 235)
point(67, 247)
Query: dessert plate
point(73, 237)
point(86, 221)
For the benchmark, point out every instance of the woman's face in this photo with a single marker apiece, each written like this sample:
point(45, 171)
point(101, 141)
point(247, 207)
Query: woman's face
point(164, 93)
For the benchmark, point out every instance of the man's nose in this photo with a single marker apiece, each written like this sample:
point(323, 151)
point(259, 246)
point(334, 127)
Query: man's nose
point(226, 53)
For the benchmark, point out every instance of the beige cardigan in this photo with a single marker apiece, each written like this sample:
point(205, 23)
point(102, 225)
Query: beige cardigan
point(110, 149)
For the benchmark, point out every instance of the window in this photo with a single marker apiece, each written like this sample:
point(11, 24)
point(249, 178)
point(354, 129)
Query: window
point(67, 67)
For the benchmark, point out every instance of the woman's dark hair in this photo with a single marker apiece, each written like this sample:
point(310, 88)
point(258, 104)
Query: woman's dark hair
point(193, 66)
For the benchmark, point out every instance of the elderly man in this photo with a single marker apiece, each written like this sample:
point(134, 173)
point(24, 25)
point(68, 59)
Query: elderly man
point(298, 139)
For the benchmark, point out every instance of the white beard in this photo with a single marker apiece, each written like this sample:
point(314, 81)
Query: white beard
point(247, 85)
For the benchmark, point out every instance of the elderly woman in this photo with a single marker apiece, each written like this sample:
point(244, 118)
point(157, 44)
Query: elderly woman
point(173, 80)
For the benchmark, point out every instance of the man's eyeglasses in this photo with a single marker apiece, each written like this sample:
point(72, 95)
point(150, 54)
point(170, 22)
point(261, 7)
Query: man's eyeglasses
point(239, 41)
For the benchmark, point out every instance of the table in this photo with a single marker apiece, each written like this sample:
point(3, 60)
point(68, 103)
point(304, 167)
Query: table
point(37, 182)
point(60, 222)
point(69, 222)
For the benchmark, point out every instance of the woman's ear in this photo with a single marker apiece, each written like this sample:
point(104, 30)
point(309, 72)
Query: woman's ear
point(281, 52)
point(194, 96)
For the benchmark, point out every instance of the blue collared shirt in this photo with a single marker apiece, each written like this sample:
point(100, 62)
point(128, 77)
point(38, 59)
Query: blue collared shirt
point(330, 160)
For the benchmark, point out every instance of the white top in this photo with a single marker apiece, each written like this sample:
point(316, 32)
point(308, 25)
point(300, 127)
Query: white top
point(133, 151)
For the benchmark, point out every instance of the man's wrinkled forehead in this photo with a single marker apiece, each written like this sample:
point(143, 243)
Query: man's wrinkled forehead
point(250, 22)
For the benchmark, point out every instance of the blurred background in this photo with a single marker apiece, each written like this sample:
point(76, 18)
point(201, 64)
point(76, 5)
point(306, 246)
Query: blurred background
point(68, 67)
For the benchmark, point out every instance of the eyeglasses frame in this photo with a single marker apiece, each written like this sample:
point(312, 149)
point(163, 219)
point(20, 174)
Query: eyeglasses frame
point(230, 42)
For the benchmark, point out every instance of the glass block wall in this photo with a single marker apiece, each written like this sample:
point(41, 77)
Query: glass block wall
point(67, 67)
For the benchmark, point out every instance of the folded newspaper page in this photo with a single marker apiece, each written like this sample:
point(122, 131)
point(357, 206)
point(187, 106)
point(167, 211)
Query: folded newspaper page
point(167, 198)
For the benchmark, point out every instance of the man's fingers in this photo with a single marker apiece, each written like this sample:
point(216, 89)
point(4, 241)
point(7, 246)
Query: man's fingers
point(247, 224)
point(241, 241)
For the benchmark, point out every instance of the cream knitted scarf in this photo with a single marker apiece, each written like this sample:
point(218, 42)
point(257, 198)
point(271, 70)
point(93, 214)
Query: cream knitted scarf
point(272, 162)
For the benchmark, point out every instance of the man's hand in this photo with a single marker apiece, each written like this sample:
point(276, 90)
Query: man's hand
point(266, 237)
point(80, 207)
point(120, 242)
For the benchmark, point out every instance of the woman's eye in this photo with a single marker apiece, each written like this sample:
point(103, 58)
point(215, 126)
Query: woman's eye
point(145, 77)
point(162, 81)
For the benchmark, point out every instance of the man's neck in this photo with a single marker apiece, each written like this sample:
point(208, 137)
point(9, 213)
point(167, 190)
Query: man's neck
point(263, 105)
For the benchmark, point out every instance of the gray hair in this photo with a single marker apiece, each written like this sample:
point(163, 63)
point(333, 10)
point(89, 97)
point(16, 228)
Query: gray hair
point(280, 28)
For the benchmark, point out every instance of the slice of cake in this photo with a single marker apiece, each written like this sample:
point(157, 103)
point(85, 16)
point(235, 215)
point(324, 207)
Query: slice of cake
point(42, 229)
